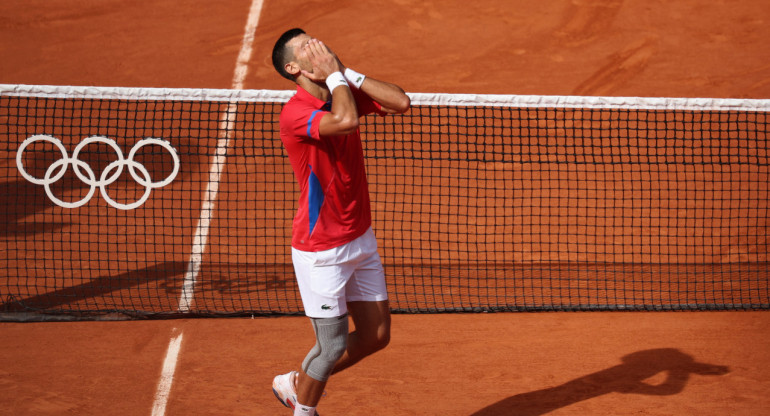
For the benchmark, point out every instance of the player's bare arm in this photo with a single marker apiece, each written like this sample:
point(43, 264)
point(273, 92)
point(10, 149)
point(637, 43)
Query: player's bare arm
point(391, 97)
point(343, 118)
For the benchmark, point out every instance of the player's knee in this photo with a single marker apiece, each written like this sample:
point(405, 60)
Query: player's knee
point(333, 352)
point(331, 343)
point(383, 339)
point(377, 340)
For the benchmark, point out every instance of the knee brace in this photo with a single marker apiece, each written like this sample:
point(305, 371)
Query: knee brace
point(331, 342)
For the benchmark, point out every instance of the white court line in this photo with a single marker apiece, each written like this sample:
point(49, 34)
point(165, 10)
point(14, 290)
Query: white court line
point(167, 376)
point(225, 134)
point(226, 124)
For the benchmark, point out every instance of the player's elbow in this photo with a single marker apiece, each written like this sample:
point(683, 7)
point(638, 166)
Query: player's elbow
point(348, 124)
point(403, 104)
point(339, 124)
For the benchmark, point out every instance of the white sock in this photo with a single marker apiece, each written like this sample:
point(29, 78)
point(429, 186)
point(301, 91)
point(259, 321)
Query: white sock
point(302, 410)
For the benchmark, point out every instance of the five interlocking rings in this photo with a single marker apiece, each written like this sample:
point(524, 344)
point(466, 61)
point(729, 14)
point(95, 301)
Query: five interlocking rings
point(89, 177)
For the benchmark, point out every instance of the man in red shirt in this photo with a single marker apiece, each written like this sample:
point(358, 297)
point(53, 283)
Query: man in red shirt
point(334, 251)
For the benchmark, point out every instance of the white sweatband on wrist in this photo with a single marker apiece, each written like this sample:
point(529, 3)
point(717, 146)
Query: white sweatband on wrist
point(355, 78)
point(335, 80)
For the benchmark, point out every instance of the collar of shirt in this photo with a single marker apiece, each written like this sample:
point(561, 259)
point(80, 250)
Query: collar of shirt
point(303, 95)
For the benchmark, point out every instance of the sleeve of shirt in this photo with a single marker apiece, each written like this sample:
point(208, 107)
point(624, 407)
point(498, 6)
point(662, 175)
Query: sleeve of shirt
point(303, 121)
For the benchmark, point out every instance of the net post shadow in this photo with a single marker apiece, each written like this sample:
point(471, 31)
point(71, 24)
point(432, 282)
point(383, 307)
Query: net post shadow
point(18, 200)
point(49, 302)
point(627, 378)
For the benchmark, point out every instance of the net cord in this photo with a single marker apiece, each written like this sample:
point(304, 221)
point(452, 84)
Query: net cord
point(419, 99)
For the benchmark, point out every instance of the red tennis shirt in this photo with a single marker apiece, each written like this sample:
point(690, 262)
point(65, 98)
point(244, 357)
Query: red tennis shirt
point(334, 206)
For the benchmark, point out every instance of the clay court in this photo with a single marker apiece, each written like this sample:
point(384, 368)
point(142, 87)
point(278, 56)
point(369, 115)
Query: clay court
point(508, 363)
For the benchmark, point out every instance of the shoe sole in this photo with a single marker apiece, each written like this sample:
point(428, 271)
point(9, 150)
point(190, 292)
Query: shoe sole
point(278, 396)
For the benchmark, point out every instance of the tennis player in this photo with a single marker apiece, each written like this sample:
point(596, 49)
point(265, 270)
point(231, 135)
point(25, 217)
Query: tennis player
point(334, 251)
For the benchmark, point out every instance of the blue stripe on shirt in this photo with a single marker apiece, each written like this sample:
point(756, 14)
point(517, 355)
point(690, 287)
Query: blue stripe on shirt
point(315, 199)
point(310, 122)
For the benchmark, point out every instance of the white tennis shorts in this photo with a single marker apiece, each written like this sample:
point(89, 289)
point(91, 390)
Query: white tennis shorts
point(349, 273)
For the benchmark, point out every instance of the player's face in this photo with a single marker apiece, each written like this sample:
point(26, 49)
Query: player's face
point(298, 46)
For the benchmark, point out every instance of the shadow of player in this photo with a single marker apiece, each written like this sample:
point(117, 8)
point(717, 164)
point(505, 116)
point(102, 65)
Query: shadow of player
point(628, 377)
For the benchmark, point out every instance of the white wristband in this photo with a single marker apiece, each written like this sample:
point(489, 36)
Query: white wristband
point(354, 77)
point(335, 80)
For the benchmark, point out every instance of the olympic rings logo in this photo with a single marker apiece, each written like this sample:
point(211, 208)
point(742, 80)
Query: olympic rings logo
point(86, 174)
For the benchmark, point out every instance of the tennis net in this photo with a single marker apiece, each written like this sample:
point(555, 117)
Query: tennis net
point(121, 202)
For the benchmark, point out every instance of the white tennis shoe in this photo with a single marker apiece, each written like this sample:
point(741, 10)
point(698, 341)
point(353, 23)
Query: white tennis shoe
point(285, 390)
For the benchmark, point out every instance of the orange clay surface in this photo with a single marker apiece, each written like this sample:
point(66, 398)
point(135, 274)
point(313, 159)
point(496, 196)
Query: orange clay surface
point(476, 364)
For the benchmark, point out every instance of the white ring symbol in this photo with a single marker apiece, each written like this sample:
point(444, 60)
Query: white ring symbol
point(89, 177)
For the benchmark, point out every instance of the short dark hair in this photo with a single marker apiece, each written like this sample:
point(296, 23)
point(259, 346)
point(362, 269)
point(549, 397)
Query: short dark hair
point(282, 55)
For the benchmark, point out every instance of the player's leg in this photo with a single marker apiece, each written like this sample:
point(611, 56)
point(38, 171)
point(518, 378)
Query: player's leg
point(331, 343)
point(321, 278)
point(368, 306)
point(303, 390)
point(324, 280)
point(371, 334)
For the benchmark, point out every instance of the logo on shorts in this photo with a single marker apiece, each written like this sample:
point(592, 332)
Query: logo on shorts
point(327, 307)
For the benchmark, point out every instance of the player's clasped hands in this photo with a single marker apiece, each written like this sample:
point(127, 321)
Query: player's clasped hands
point(323, 60)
